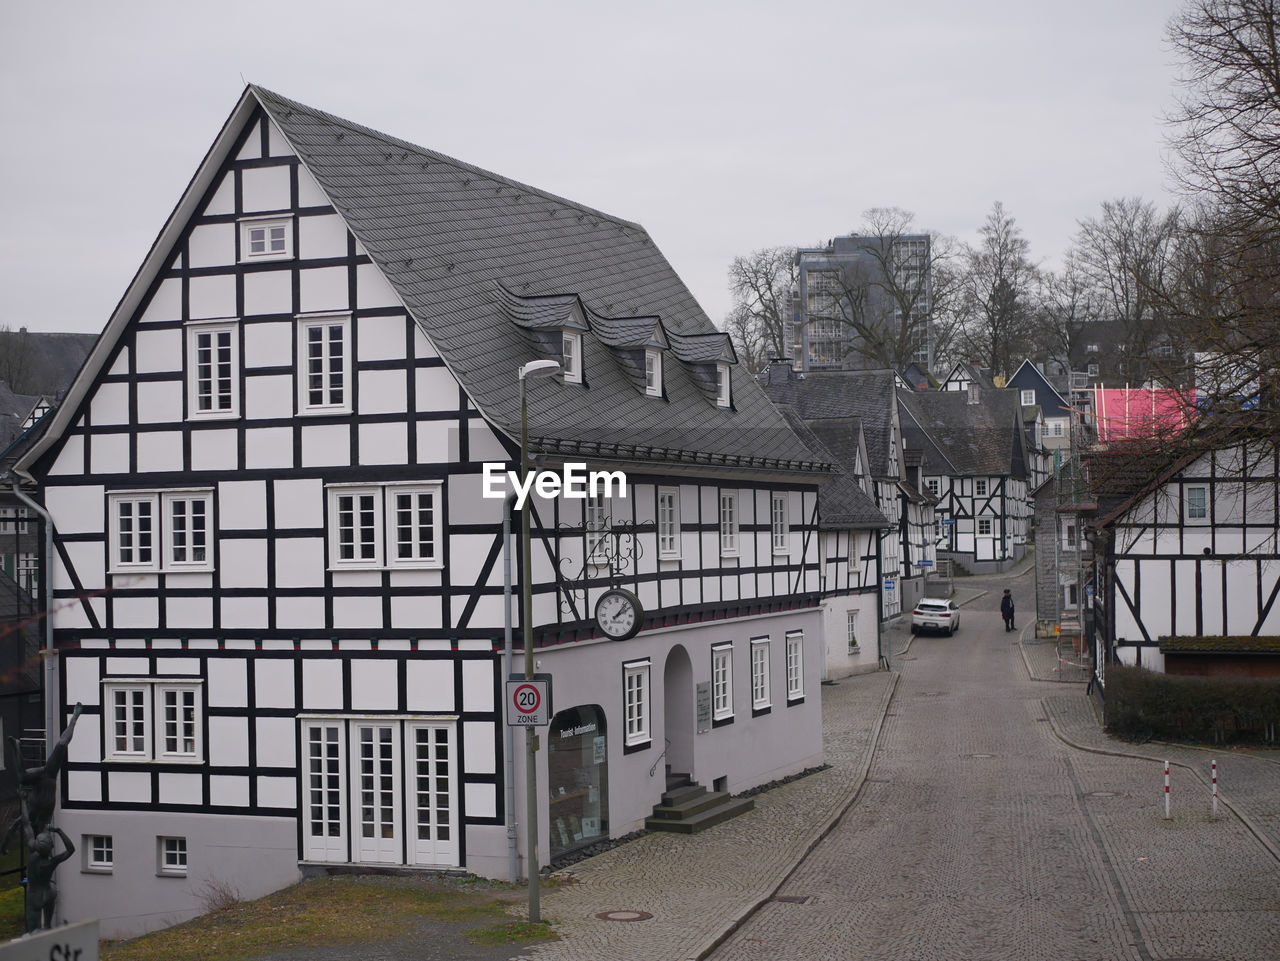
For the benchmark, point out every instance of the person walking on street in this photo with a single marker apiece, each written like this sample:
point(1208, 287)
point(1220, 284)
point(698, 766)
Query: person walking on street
point(1006, 610)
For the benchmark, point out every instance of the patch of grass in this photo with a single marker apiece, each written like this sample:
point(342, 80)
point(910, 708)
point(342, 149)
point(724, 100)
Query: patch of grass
point(512, 932)
point(13, 922)
point(366, 909)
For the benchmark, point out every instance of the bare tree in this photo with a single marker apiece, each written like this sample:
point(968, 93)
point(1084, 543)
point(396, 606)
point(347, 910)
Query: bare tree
point(1066, 302)
point(761, 284)
point(16, 356)
point(996, 295)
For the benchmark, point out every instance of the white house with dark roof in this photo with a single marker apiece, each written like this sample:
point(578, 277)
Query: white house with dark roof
point(278, 585)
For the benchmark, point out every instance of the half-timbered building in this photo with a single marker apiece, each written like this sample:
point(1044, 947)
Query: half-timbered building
point(976, 450)
point(1189, 555)
point(279, 577)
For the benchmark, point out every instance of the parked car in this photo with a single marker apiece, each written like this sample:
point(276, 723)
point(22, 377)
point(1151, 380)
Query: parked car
point(935, 614)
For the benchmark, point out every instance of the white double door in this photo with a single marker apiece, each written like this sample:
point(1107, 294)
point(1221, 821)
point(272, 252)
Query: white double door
point(380, 791)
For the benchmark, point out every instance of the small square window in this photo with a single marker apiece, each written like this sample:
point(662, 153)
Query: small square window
point(571, 357)
point(1197, 503)
point(931, 485)
point(653, 373)
point(1028, 398)
point(980, 487)
point(171, 857)
point(99, 853)
point(1092, 370)
point(984, 527)
point(266, 238)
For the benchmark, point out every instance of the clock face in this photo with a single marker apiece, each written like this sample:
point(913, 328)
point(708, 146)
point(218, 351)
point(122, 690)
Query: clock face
point(619, 614)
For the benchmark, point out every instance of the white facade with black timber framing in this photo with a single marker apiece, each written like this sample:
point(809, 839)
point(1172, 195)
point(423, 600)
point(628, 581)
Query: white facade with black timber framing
point(280, 589)
point(1193, 556)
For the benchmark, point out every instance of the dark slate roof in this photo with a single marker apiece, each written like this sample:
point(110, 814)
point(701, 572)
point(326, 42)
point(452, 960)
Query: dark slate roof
point(48, 360)
point(450, 238)
point(1220, 645)
point(974, 438)
point(14, 409)
point(865, 394)
point(842, 503)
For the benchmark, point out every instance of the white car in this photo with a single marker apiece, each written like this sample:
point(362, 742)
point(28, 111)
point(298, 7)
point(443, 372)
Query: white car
point(935, 614)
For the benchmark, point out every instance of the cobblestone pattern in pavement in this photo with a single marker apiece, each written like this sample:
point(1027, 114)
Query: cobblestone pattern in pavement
point(980, 835)
point(1048, 660)
point(697, 887)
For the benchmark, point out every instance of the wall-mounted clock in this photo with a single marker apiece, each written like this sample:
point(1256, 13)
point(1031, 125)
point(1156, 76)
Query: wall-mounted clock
point(619, 614)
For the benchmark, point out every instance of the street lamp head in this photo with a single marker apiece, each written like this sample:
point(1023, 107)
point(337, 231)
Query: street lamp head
point(539, 368)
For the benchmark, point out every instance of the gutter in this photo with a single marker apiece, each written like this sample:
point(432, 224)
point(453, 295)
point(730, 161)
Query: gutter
point(50, 671)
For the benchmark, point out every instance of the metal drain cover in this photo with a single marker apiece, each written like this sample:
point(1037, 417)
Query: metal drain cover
point(624, 915)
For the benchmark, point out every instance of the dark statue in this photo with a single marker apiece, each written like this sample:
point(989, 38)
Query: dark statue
point(38, 796)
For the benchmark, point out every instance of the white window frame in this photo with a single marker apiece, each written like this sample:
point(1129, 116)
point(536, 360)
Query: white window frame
point(851, 629)
point(571, 356)
point(722, 682)
point(171, 856)
point(980, 487)
point(1027, 398)
point(99, 853)
point(669, 523)
point(933, 486)
point(117, 560)
point(795, 664)
point(1091, 348)
point(779, 522)
point(724, 385)
point(730, 523)
point(266, 224)
point(1058, 427)
point(1068, 585)
point(760, 699)
point(165, 538)
point(1091, 370)
point(653, 373)
point(596, 523)
point(984, 522)
point(1070, 537)
point(194, 330)
point(147, 719)
point(636, 712)
point(325, 373)
point(1196, 513)
point(378, 518)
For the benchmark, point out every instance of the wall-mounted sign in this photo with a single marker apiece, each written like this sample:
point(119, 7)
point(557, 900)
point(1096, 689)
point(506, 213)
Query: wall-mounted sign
point(703, 702)
point(529, 702)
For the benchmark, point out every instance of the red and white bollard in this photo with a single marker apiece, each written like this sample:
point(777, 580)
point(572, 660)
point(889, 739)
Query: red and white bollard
point(1166, 789)
point(1215, 788)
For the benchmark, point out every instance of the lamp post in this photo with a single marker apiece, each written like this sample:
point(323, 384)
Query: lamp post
point(533, 369)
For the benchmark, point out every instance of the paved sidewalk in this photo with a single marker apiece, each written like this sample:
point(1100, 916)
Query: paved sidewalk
point(698, 887)
point(1248, 781)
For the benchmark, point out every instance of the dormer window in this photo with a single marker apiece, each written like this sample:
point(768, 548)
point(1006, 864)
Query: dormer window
point(724, 396)
point(653, 373)
point(266, 238)
point(571, 357)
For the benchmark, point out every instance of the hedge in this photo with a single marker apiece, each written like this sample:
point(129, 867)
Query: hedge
point(1143, 705)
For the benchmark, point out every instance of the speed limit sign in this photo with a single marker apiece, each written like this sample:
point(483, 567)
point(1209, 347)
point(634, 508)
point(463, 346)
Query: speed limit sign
point(529, 702)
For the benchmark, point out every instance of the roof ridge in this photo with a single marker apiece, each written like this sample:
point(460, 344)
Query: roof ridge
point(260, 92)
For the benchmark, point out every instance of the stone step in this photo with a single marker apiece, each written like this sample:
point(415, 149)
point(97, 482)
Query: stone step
point(730, 808)
point(687, 805)
point(679, 795)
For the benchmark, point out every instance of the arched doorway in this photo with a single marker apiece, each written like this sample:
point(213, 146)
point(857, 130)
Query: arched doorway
point(678, 710)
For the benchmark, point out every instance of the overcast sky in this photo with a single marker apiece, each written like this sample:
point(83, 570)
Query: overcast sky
point(722, 127)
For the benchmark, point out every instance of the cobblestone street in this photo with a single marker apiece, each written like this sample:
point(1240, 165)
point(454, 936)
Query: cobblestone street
point(980, 834)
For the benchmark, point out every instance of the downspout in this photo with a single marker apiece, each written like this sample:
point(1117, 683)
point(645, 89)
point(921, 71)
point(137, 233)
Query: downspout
point(50, 671)
point(508, 737)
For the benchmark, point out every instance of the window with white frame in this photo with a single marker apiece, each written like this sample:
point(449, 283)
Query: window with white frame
point(324, 355)
point(171, 856)
point(27, 571)
point(161, 530)
point(1092, 370)
point(1197, 501)
point(722, 682)
point(571, 356)
point(980, 487)
point(669, 523)
point(372, 526)
point(1091, 348)
point(99, 853)
point(729, 523)
point(1028, 398)
point(795, 666)
point(1058, 427)
point(13, 520)
point(1069, 533)
point(778, 523)
point(595, 524)
point(1071, 594)
point(724, 388)
point(851, 624)
point(760, 673)
point(653, 373)
point(266, 238)
point(153, 719)
point(984, 526)
point(932, 485)
point(213, 369)
point(636, 708)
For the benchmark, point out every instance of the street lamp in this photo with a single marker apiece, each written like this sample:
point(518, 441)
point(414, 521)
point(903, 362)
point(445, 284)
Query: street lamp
point(533, 369)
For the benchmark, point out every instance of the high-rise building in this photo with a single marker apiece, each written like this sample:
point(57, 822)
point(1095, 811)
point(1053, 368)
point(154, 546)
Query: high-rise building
point(848, 311)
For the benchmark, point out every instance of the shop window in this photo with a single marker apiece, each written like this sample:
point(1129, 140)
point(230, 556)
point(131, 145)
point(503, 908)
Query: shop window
point(577, 779)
